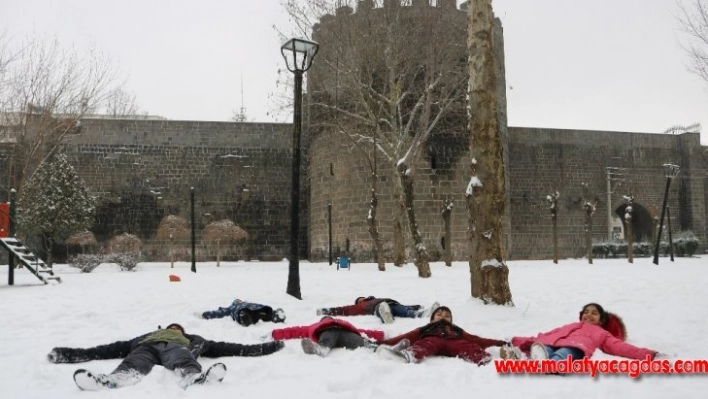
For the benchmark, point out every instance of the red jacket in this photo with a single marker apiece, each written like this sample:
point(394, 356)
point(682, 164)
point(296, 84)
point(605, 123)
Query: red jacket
point(313, 331)
point(444, 329)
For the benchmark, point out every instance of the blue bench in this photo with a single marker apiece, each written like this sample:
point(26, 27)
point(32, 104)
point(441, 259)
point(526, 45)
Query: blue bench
point(343, 262)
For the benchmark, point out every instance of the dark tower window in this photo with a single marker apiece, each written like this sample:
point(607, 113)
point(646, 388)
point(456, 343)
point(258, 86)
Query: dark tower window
point(331, 169)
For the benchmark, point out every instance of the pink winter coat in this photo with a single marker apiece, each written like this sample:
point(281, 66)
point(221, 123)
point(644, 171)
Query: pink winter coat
point(586, 337)
point(313, 331)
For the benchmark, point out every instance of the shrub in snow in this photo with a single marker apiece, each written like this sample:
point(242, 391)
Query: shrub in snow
point(85, 263)
point(685, 244)
point(127, 261)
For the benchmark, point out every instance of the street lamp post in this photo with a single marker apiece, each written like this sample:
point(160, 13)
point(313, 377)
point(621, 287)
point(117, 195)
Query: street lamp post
point(671, 171)
point(194, 234)
point(298, 54)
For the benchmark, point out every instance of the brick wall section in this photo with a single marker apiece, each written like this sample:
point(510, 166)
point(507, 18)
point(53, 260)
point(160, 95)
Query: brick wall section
point(240, 171)
point(541, 161)
point(545, 160)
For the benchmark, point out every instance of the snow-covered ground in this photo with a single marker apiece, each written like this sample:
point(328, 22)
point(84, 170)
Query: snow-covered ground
point(664, 307)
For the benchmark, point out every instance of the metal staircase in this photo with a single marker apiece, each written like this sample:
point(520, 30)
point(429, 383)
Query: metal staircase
point(31, 261)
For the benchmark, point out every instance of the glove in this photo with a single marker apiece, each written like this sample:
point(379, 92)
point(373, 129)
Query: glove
point(322, 312)
point(54, 356)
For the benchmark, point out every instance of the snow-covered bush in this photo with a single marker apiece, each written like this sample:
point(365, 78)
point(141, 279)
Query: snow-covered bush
point(127, 261)
point(685, 243)
point(85, 263)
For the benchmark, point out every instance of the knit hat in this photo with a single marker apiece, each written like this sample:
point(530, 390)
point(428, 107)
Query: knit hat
point(441, 308)
point(175, 325)
point(362, 298)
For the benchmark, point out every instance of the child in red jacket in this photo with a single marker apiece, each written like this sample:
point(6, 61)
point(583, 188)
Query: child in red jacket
point(439, 338)
point(329, 333)
point(385, 309)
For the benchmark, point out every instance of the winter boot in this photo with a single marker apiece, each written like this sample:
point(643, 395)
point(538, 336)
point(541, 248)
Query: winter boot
point(401, 345)
point(214, 374)
point(278, 315)
point(312, 348)
point(538, 351)
point(86, 381)
point(401, 356)
point(509, 352)
point(429, 311)
point(383, 310)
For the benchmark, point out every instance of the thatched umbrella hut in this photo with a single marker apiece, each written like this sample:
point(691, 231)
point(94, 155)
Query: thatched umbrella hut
point(83, 240)
point(223, 232)
point(171, 228)
point(124, 243)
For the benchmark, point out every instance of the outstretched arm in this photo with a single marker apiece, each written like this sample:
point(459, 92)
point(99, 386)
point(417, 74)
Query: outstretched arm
point(290, 333)
point(116, 350)
point(350, 310)
point(484, 343)
point(614, 346)
point(376, 335)
point(412, 336)
point(219, 349)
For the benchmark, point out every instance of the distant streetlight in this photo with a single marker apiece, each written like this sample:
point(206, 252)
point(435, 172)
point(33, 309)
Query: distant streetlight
point(298, 54)
point(671, 172)
point(194, 234)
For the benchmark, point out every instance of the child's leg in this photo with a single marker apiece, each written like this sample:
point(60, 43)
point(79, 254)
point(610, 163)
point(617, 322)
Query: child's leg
point(217, 314)
point(466, 350)
point(562, 353)
point(336, 338)
point(428, 346)
point(403, 311)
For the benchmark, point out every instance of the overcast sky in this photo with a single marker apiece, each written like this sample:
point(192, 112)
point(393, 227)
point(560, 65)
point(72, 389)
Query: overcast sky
point(600, 64)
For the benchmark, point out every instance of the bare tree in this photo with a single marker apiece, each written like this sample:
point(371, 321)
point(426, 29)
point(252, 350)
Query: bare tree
point(44, 91)
point(589, 208)
point(171, 228)
point(628, 227)
point(486, 191)
point(446, 215)
point(223, 232)
point(398, 91)
point(693, 20)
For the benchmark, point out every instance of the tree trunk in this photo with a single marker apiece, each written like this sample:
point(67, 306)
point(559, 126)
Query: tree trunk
point(172, 252)
point(486, 192)
point(554, 219)
point(373, 225)
point(422, 260)
point(630, 233)
point(218, 253)
point(48, 245)
point(588, 233)
point(446, 214)
point(399, 243)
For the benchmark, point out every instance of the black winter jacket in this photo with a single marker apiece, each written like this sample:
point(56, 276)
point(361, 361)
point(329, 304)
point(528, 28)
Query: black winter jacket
point(198, 346)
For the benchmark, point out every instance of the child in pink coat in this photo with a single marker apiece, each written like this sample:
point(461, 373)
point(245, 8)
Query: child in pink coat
point(329, 333)
point(596, 329)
